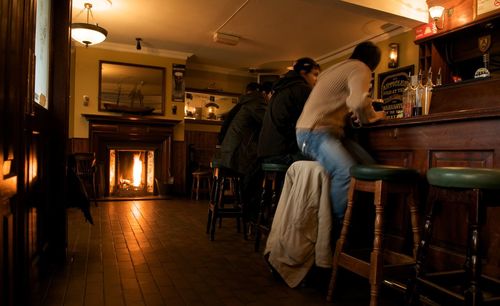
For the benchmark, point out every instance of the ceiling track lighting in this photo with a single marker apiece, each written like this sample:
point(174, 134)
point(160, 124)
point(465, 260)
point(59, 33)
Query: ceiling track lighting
point(87, 33)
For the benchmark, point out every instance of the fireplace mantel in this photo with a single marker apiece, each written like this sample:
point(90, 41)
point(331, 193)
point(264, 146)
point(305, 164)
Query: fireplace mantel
point(152, 133)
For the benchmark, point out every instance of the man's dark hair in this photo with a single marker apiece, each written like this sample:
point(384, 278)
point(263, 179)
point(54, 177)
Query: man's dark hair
point(368, 53)
point(305, 64)
point(252, 86)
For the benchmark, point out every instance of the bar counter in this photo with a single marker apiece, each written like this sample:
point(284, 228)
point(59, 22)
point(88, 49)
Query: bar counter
point(469, 138)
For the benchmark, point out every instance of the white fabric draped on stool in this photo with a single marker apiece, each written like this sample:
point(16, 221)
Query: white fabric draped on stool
point(302, 225)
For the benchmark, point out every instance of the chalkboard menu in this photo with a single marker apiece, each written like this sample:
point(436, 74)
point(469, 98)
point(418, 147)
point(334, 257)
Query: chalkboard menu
point(391, 85)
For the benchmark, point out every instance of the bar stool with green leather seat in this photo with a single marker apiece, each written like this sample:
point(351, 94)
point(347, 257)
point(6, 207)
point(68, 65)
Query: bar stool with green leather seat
point(224, 205)
point(466, 286)
point(380, 180)
point(272, 183)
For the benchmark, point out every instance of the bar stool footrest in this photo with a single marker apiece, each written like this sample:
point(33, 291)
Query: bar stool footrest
point(394, 262)
point(451, 284)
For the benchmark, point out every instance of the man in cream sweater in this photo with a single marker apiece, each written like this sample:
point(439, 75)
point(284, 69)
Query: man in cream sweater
point(341, 91)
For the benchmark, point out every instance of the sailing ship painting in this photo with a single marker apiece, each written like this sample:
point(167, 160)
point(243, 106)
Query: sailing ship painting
point(132, 89)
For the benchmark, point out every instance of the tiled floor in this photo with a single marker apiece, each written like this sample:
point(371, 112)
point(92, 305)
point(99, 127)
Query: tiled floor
point(156, 252)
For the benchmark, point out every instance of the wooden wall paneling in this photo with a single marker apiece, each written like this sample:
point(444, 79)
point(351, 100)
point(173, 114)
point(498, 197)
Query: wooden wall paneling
point(402, 158)
point(179, 167)
point(201, 148)
point(79, 145)
point(460, 158)
point(426, 143)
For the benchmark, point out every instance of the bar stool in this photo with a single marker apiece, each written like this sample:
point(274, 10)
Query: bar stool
point(380, 180)
point(272, 183)
point(222, 205)
point(466, 286)
point(201, 183)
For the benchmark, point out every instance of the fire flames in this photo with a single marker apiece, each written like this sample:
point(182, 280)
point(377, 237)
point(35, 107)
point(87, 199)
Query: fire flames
point(137, 171)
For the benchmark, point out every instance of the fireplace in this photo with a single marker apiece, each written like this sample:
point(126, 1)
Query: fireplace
point(132, 153)
point(131, 172)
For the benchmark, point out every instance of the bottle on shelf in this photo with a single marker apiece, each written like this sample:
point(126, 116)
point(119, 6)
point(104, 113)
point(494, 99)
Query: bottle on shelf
point(419, 95)
point(483, 72)
point(426, 101)
point(439, 81)
point(408, 98)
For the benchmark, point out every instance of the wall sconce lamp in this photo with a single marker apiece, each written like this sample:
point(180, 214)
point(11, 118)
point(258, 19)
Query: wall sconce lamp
point(393, 55)
point(436, 13)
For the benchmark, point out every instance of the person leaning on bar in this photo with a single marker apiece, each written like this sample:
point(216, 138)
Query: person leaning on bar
point(340, 90)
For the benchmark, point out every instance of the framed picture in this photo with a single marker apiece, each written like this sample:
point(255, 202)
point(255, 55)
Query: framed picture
point(391, 85)
point(131, 88)
point(178, 85)
point(486, 7)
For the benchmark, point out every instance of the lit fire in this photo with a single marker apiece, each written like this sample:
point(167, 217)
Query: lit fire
point(137, 171)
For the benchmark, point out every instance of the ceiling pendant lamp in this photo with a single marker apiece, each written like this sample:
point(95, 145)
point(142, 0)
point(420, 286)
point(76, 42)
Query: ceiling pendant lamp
point(86, 33)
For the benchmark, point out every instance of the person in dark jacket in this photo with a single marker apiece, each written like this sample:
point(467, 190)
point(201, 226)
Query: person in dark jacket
point(238, 150)
point(277, 140)
point(251, 87)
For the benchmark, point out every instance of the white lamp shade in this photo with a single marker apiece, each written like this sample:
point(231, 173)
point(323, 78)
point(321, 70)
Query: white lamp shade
point(436, 12)
point(88, 34)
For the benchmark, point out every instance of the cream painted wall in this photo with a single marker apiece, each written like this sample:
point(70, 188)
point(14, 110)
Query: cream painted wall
point(85, 72)
point(201, 79)
point(86, 78)
point(408, 54)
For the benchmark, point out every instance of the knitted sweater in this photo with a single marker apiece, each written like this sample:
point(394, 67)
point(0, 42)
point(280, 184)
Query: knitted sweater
point(341, 89)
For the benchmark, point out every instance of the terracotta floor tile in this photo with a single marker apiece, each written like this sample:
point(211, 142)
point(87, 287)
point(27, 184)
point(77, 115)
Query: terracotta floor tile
point(156, 252)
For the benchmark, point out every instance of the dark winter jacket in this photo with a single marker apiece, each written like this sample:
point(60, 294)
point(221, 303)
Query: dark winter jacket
point(228, 118)
point(277, 136)
point(239, 148)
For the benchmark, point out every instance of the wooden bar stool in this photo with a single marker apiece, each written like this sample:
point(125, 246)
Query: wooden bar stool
point(272, 183)
point(466, 286)
point(222, 205)
point(201, 183)
point(380, 180)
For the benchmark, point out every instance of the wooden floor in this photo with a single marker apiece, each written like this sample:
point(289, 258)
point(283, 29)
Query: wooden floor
point(156, 252)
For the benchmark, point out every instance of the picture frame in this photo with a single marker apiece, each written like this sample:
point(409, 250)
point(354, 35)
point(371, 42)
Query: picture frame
point(390, 87)
point(178, 82)
point(486, 7)
point(132, 88)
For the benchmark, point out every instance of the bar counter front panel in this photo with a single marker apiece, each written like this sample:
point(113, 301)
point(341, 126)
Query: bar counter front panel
point(468, 138)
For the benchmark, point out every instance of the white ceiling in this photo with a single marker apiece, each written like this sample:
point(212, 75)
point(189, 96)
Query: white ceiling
point(273, 32)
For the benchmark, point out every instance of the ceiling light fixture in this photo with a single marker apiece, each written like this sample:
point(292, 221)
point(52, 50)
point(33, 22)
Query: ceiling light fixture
point(86, 33)
point(227, 39)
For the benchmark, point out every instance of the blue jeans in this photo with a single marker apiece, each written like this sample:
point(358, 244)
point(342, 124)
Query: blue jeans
point(337, 156)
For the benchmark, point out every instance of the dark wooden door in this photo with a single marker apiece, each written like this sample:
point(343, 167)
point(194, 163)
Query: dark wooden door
point(32, 149)
point(14, 62)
